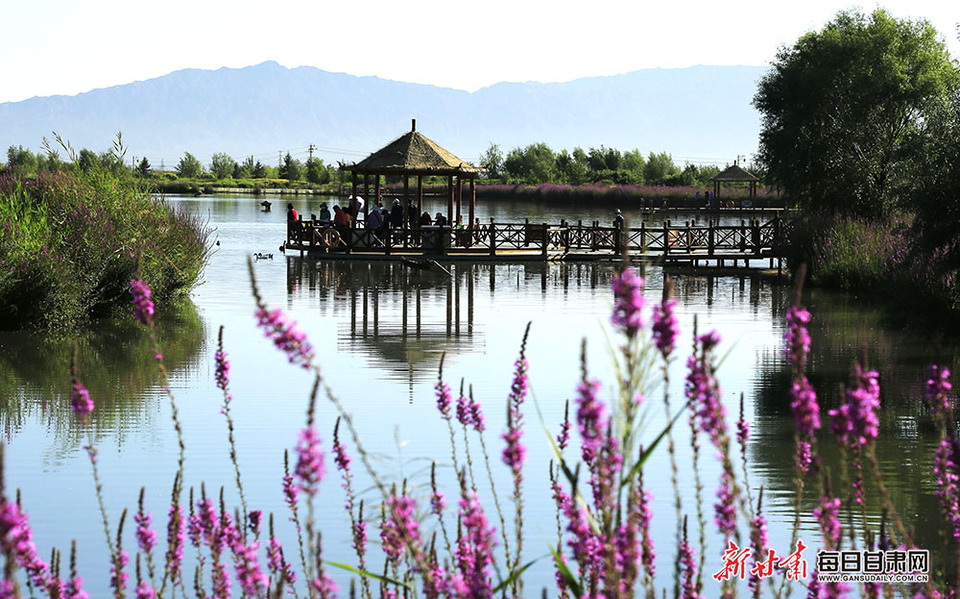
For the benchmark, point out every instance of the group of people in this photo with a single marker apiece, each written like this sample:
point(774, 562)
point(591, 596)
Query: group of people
point(377, 218)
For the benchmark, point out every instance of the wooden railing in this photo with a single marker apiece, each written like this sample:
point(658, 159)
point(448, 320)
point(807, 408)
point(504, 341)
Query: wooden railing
point(751, 239)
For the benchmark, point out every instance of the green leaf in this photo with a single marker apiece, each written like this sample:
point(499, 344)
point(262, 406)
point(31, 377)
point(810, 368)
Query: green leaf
point(648, 451)
point(566, 574)
point(385, 579)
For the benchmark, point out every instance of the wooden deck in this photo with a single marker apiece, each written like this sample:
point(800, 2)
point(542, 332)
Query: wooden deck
point(668, 243)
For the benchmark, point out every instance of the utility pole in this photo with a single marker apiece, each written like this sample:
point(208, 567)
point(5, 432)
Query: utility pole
point(310, 149)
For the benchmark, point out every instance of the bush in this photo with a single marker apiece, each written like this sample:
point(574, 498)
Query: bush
point(71, 242)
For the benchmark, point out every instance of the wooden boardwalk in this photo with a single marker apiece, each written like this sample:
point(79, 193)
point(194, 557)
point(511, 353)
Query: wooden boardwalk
point(671, 244)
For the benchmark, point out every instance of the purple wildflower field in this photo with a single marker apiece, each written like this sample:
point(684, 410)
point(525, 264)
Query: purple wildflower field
point(603, 545)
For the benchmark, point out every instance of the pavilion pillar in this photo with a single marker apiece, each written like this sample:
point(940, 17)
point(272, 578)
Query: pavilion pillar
point(419, 196)
point(376, 192)
point(473, 201)
point(459, 199)
point(406, 200)
point(353, 183)
point(366, 187)
point(450, 199)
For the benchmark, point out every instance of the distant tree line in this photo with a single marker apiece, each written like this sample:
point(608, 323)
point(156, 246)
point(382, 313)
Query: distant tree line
point(533, 165)
point(222, 167)
point(537, 164)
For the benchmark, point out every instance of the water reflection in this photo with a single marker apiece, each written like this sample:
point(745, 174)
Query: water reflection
point(116, 363)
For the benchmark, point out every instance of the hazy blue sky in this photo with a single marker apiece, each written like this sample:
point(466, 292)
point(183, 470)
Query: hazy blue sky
point(68, 47)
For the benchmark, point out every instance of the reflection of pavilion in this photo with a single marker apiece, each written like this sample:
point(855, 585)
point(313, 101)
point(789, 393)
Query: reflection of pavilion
point(405, 317)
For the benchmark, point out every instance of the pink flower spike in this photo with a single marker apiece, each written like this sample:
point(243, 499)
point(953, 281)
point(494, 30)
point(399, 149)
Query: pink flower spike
point(142, 304)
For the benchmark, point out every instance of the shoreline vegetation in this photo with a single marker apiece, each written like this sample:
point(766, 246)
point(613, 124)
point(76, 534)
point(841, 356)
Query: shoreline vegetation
point(71, 240)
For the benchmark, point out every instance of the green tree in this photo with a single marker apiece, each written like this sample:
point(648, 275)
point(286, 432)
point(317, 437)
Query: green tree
point(259, 171)
point(21, 159)
point(659, 168)
point(534, 164)
point(222, 165)
point(492, 161)
point(290, 169)
point(570, 170)
point(189, 167)
point(935, 192)
point(143, 168)
point(633, 163)
point(244, 170)
point(87, 159)
point(840, 107)
point(317, 171)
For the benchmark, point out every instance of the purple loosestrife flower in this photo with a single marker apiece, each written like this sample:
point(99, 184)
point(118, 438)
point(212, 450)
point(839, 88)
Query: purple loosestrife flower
point(276, 562)
point(937, 388)
point(309, 470)
point(797, 337)
point(222, 369)
point(280, 329)
point(644, 518)
point(252, 580)
point(515, 452)
point(855, 423)
point(563, 437)
point(80, 401)
point(290, 491)
point(665, 328)
point(118, 578)
point(591, 420)
point(628, 301)
point(16, 540)
point(175, 537)
point(444, 399)
point(142, 304)
point(688, 569)
point(145, 591)
point(475, 549)
point(703, 392)
point(946, 467)
point(146, 537)
point(725, 508)
point(828, 516)
point(806, 414)
point(399, 528)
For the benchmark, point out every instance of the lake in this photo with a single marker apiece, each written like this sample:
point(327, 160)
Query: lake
point(379, 331)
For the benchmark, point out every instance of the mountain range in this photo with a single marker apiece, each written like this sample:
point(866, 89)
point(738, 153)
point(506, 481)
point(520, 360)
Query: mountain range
point(700, 114)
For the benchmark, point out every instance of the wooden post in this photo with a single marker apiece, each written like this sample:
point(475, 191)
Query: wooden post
point(545, 239)
point(406, 204)
point(666, 237)
point(473, 200)
point(450, 199)
point(492, 229)
point(711, 239)
point(419, 196)
point(459, 199)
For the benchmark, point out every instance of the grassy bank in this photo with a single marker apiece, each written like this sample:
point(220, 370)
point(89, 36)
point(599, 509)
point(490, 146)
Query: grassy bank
point(879, 257)
point(70, 244)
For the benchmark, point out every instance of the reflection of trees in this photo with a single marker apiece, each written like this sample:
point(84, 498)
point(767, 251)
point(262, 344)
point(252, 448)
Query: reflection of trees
point(845, 330)
point(116, 363)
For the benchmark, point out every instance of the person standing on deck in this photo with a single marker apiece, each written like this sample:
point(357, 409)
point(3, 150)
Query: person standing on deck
point(396, 215)
point(340, 217)
point(618, 220)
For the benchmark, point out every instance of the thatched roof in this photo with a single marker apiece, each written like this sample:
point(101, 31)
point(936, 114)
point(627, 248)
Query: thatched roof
point(735, 174)
point(413, 154)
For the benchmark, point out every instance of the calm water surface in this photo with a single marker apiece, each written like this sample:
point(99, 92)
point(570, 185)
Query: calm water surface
point(379, 331)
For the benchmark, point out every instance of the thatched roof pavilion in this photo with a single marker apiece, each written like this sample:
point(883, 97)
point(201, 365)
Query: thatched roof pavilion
point(735, 174)
point(416, 155)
